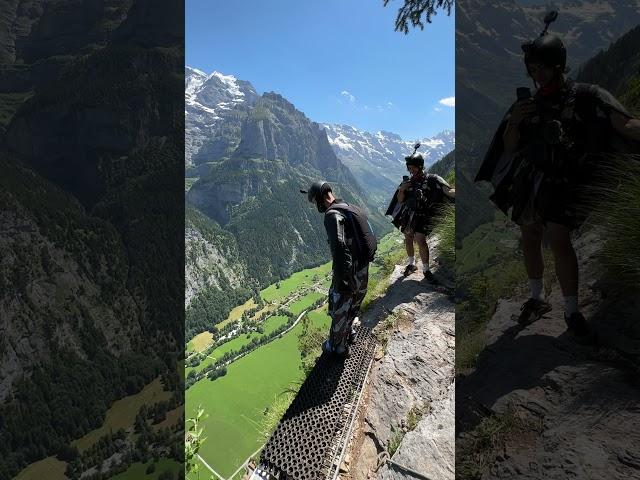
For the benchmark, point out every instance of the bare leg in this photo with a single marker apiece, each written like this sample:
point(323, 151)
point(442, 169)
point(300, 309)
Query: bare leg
point(535, 307)
point(424, 249)
point(532, 249)
point(408, 243)
point(566, 261)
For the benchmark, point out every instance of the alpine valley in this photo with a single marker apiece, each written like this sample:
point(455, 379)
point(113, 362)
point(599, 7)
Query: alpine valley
point(247, 156)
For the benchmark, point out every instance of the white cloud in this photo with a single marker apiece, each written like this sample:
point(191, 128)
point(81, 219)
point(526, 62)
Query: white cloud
point(437, 109)
point(348, 96)
point(390, 104)
point(448, 102)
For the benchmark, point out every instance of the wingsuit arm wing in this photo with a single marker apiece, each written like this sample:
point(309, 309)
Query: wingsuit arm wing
point(494, 152)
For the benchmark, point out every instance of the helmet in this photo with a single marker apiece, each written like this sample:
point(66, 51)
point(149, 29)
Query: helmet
point(416, 159)
point(316, 193)
point(547, 50)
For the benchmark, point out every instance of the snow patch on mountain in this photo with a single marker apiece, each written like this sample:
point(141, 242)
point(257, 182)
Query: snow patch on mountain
point(384, 148)
point(208, 99)
point(377, 159)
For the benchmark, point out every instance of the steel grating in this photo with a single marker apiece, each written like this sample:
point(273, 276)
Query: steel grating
point(313, 431)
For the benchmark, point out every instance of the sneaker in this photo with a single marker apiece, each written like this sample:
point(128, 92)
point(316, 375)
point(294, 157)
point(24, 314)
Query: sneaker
point(343, 351)
point(428, 276)
point(532, 310)
point(410, 269)
point(577, 324)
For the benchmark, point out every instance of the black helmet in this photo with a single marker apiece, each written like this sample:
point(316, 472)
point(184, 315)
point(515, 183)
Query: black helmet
point(316, 193)
point(547, 50)
point(416, 159)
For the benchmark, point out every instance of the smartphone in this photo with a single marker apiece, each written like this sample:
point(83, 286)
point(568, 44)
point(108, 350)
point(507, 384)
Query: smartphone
point(405, 178)
point(523, 93)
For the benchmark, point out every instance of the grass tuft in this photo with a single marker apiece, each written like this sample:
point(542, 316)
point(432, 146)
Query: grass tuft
point(616, 209)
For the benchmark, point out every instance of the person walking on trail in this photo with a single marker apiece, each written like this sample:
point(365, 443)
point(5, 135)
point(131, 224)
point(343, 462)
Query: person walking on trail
point(353, 245)
point(415, 208)
point(544, 155)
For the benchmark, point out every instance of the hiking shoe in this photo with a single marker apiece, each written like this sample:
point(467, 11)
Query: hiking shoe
point(352, 336)
point(410, 269)
point(532, 310)
point(428, 277)
point(577, 324)
point(343, 351)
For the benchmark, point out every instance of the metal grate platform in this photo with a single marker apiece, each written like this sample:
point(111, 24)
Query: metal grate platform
point(310, 439)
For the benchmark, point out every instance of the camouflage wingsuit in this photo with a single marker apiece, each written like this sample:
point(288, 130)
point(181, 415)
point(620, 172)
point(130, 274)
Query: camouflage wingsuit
point(350, 279)
point(345, 305)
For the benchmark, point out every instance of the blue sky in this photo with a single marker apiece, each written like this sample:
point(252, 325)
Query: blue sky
point(338, 61)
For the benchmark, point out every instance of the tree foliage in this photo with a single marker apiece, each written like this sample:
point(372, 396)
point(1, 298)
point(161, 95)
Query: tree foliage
point(417, 12)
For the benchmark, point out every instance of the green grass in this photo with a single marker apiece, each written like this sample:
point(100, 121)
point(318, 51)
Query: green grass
point(617, 211)
point(487, 245)
point(137, 471)
point(305, 302)
point(294, 282)
point(390, 252)
point(269, 326)
point(446, 233)
point(199, 342)
point(237, 312)
point(395, 441)
point(236, 403)
point(122, 413)
point(487, 440)
point(469, 343)
point(50, 468)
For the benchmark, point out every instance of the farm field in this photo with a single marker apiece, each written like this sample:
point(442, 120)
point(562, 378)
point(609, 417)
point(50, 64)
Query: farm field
point(235, 403)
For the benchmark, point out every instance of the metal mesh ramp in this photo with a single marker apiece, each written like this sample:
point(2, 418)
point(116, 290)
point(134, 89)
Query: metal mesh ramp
point(309, 441)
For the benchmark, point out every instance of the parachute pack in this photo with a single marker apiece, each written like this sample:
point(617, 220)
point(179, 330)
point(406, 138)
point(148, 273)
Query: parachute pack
point(364, 244)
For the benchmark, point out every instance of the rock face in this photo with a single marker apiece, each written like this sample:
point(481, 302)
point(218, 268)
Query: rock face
point(416, 372)
point(249, 178)
point(215, 105)
point(377, 160)
point(88, 159)
point(577, 401)
point(212, 259)
point(53, 292)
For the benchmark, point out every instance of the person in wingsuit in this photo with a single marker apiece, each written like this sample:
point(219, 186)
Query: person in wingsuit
point(353, 245)
point(415, 207)
point(543, 157)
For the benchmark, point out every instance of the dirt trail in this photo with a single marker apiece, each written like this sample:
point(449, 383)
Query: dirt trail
point(577, 403)
point(415, 371)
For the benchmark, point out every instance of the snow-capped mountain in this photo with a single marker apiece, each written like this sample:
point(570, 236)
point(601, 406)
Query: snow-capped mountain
point(377, 159)
point(216, 105)
point(209, 99)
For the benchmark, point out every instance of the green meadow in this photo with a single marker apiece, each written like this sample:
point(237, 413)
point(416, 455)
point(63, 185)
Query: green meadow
point(235, 404)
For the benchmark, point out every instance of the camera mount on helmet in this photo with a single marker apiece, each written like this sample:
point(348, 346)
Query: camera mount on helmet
point(548, 49)
point(416, 158)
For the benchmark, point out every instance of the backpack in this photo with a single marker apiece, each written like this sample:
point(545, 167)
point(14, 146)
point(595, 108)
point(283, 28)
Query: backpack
point(364, 243)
